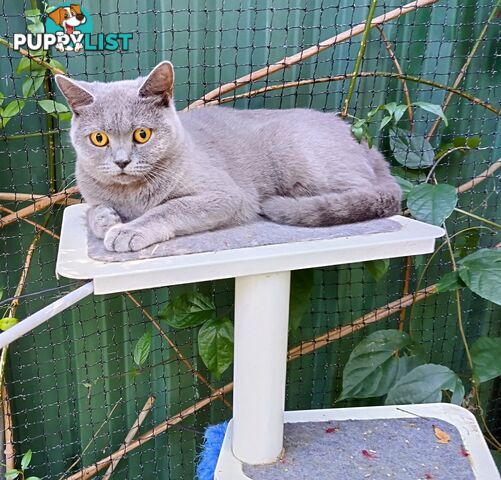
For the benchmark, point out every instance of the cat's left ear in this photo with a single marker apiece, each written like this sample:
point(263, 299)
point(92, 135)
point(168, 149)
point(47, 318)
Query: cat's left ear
point(159, 84)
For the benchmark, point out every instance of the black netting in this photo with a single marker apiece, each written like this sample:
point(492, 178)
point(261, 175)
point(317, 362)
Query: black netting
point(71, 385)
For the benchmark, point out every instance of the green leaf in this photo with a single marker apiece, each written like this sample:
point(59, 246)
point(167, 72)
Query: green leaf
point(374, 112)
point(456, 142)
point(8, 322)
point(449, 282)
point(377, 268)
point(481, 272)
point(473, 142)
point(390, 107)
point(55, 108)
point(372, 367)
point(432, 203)
point(1, 293)
point(32, 14)
point(188, 310)
point(26, 460)
point(432, 108)
point(2, 97)
point(32, 84)
point(358, 133)
point(142, 349)
point(300, 295)
point(385, 121)
point(26, 64)
point(486, 355)
point(12, 474)
point(36, 28)
point(409, 150)
point(33, 478)
point(424, 384)
point(399, 111)
point(404, 185)
point(215, 344)
point(10, 111)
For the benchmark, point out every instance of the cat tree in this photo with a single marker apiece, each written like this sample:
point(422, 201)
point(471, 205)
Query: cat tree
point(255, 435)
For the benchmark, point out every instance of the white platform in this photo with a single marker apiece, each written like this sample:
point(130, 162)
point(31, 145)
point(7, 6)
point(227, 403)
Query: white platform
point(484, 468)
point(262, 284)
point(73, 261)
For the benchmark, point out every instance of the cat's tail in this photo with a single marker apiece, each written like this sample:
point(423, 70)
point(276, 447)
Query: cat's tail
point(334, 208)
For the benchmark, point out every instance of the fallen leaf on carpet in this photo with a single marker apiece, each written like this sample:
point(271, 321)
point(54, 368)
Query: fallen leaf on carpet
point(442, 437)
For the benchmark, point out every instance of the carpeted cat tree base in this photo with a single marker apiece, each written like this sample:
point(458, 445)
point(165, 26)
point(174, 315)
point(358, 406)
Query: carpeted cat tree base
point(378, 443)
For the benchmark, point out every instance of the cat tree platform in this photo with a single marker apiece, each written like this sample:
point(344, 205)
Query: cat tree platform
point(260, 257)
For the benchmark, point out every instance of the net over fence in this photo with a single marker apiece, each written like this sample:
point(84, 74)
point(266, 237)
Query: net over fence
point(74, 387)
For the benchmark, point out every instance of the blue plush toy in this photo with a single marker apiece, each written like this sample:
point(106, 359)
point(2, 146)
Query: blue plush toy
point(213, 441)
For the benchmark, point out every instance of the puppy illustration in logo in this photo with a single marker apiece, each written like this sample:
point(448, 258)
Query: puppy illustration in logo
point(69, 19)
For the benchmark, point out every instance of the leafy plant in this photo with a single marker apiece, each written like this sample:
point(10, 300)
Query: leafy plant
point(432, 203)
point(377, 268)
point(35, 77)
point(215, 337)
point(388, 362)
point(215, 344)
point(14, 474)
point(485, 353)
point(8, 322)
point(373, 366)
point(142, 349)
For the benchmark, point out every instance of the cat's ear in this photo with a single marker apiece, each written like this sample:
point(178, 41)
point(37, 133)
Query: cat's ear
point(76, 95)
point(159, 84)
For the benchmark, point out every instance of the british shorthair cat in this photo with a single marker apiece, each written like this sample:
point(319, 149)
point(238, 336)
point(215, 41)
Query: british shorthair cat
point(150, 173)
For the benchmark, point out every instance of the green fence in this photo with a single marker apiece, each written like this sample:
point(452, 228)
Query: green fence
point(73, 387)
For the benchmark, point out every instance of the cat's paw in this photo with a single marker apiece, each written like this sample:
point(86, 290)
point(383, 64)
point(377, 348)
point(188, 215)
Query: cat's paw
point(126, 238)
point(101, 219)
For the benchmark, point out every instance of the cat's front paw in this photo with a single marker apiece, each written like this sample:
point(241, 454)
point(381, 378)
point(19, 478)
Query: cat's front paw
point(101, 219)
point(127, 238)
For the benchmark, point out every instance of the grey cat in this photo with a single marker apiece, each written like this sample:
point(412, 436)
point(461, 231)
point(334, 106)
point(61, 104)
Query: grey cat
point(150, 173)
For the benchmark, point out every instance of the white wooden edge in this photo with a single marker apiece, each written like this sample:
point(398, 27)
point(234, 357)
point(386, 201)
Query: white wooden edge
point(413, 238)
point(484, 468)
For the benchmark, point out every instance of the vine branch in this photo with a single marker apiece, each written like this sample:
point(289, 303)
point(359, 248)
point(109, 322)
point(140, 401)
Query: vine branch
point(411, 78)
point(309, 52)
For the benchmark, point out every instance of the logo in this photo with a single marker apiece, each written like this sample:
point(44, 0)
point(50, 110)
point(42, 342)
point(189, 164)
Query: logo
point(69, 28)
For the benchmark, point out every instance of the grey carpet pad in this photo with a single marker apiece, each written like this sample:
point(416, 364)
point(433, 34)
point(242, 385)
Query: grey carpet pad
point(249, 235)
point(401, 449)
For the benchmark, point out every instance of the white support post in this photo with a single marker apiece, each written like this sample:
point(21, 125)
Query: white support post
point(261, 327)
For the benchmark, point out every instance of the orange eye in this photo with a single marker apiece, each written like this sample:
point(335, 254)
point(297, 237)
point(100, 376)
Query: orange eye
point(99, 139)
point(141, 135)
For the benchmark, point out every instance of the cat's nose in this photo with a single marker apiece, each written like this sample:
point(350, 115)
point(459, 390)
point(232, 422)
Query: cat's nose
point(122, 163)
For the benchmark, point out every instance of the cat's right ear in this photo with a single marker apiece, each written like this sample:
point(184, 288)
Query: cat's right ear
point(75, 94)
point(159, 84)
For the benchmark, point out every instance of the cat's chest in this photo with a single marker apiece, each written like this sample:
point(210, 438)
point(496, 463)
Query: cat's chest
point(131, 203)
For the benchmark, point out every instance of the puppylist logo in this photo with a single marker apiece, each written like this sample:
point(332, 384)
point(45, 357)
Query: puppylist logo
point(68, 28)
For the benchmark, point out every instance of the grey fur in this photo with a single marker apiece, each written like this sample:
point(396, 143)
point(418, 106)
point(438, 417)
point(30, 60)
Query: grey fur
point(214, 167)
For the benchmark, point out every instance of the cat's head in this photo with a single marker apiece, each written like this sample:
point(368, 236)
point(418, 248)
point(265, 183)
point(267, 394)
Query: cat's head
point(124, 132)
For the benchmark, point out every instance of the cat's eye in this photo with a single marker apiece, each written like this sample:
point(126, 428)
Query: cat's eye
point(141, 135)
point(99, 139)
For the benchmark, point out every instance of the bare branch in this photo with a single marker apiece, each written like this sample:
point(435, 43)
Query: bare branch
point(310, 52)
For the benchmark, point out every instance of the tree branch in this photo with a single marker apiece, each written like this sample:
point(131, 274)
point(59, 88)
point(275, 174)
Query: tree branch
point(299, 83)
point(309, 52)
point(38, 205)
point(405, 88)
